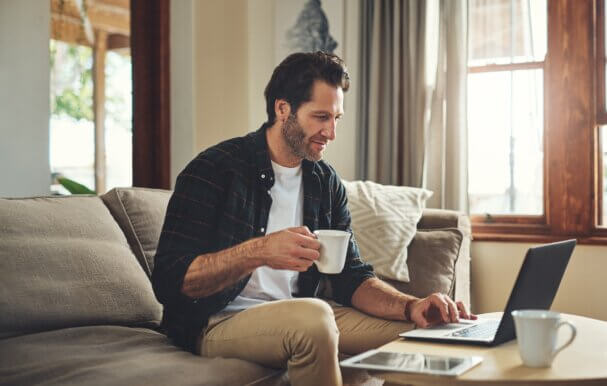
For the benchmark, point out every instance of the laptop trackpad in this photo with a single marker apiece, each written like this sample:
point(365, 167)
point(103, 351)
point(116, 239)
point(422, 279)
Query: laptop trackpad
point(441, 329)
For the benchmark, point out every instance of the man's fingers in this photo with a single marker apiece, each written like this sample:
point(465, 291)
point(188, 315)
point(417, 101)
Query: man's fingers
point(453, 312)
point(306, 253)
point(420, 318)
point(303, 230)
point(464, 313)
point(437, 309)
point(293, 264)
point(423, 323)
point(443, 307)
point(307, 242)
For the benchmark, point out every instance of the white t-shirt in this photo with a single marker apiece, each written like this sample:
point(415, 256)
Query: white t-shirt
point(286, 211)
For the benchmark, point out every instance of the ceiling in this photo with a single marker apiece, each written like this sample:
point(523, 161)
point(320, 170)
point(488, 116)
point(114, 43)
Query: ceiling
point(80, 21)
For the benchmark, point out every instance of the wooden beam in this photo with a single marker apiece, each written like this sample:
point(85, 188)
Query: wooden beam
point(117, 41)
point(68, 29)
point(109, 18)
point(99, 51)
point(120, 4)
point(65, 8)
point(109, 21)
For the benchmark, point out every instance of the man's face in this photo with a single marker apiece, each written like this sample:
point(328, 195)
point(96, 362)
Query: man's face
point(308, 132)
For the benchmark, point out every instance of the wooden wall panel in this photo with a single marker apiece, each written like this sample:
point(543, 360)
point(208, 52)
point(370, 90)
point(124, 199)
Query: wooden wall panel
point(569, 122)
point(150, 50)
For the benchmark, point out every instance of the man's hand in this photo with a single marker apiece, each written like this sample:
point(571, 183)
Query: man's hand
point(436, 309)
point(294, 249)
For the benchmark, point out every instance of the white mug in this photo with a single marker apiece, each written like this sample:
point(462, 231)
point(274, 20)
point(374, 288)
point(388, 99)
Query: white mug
point(536, 332)
point(333, 250)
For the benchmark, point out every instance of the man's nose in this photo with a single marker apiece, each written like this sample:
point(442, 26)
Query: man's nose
point(329, 131)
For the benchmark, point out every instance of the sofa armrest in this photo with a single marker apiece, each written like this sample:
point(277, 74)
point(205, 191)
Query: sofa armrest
point(444, 218)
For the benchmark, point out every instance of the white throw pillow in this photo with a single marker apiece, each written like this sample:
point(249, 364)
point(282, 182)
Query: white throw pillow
point(384, 221)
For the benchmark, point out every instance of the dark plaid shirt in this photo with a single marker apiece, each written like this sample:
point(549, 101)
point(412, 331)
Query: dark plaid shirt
point(222, 199)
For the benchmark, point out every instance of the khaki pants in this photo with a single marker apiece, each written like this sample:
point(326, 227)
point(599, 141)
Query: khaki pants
point(303, 335)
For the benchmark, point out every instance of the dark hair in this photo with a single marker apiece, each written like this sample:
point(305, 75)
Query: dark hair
point(294, 77)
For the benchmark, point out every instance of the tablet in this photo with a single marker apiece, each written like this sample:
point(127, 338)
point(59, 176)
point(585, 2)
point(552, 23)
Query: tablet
point(412, 362)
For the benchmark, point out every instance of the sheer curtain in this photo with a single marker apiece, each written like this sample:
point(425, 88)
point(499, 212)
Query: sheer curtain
point(412, 106)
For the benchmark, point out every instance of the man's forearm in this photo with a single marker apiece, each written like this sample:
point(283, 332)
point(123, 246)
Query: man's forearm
point(378, 298)
point(212, 272)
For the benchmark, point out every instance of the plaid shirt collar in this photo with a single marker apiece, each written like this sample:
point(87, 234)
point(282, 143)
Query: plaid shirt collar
point(265, 173)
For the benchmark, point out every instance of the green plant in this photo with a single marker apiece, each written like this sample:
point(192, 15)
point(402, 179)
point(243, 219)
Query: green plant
point(74, 187)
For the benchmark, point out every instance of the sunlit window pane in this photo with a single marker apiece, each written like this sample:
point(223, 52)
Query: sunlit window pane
point(507, 31)
point(505, 142)
point(118, 120)
point(72, 132)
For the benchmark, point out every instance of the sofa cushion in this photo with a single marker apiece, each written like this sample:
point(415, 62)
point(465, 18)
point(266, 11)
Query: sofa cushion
point(432, 262)
point(113, 355)
point(65, 262)
point(140, 213)
point(384, 220)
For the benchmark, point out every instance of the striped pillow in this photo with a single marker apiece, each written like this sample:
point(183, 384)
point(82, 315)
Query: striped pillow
point(384, 221)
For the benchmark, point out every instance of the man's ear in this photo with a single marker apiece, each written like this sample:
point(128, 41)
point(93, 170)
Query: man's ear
point(282, 109)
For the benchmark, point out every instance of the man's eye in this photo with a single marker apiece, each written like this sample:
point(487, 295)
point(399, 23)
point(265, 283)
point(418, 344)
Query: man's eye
point(322, 117)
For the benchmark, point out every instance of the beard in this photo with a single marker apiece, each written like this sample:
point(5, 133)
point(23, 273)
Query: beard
point(294, 136)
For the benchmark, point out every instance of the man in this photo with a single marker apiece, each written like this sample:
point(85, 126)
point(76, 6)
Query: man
point(234, 267)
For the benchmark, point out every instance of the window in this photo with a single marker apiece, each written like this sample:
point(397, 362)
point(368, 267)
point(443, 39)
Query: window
point(72, 131)
point(118, 120)
point(91, 94)
point(537, 166)
point(507, 48)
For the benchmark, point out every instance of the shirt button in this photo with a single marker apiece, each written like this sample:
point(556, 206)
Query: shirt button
point(262, 229)
point(269, 192)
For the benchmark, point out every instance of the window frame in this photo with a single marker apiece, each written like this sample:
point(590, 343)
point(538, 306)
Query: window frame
point(150, 55)
point(601, 108)
point(572, 160)
point(601, 61)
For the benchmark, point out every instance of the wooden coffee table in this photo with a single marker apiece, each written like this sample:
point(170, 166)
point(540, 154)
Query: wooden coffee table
point(582, 363)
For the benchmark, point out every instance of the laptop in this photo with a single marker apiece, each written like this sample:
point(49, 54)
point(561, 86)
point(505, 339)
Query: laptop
point(535, 288)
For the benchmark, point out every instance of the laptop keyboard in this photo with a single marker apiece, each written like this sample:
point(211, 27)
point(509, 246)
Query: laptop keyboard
point(482, 330)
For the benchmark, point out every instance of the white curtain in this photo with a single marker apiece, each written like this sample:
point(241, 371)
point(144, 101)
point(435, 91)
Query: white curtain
point(412, 105)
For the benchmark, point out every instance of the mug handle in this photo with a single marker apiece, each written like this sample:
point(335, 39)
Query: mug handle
point(571, 338)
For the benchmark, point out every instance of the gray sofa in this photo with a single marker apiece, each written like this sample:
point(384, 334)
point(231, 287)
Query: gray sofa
point(77, 306)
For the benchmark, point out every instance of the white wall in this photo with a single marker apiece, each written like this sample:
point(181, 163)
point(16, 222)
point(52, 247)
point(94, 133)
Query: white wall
point(221, 71)
point(342, 152)
point(183, 92)
point(209, 76)
point(260, 42)
point(24, 98)
point(495, 265)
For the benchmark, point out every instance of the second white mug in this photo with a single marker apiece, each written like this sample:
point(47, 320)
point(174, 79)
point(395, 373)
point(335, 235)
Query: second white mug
point(536, 333)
